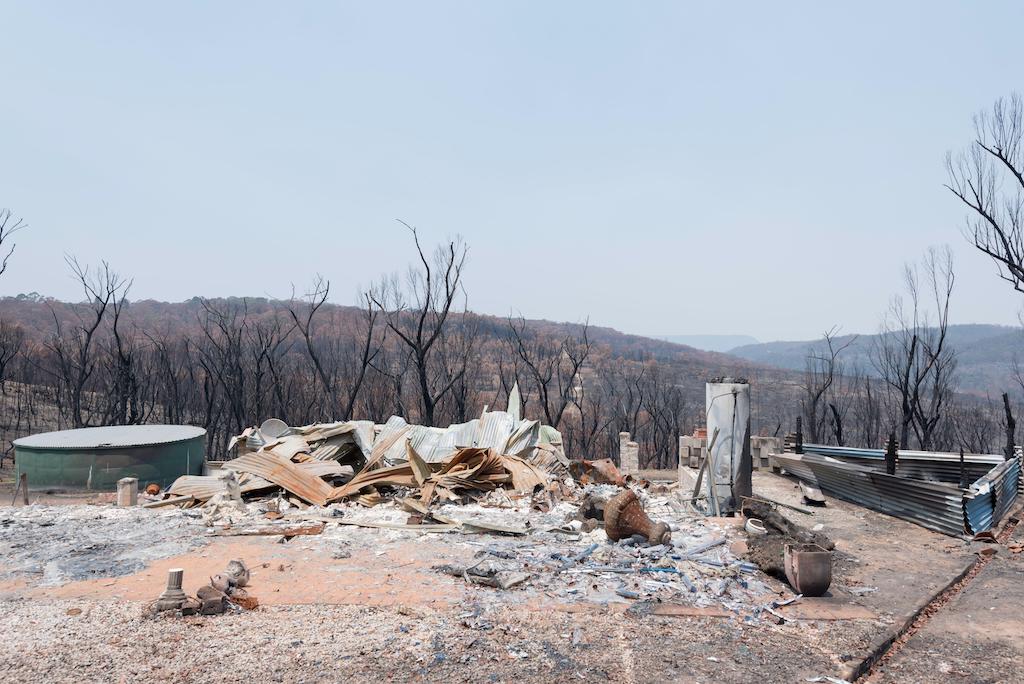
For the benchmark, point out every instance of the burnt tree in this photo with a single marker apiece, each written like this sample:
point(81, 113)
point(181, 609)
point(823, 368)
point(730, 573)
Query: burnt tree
point(988, 178)
point(417, 312)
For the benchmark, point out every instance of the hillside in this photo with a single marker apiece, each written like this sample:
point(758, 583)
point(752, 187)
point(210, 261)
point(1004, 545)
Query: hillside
point(247, 362)
point(36, 316)
point(717, 343)
point(986, 355)
point(226, 364)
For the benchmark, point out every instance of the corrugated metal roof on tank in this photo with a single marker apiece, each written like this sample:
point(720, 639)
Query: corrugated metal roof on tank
point(111, 437)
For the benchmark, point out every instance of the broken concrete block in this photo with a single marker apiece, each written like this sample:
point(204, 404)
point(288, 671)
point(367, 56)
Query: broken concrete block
point(128, 491)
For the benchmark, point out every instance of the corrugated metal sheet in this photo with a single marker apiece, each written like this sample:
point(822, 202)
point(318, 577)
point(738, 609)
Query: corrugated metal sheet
point(843, 452)
point(1018, 452)
point(922, 465)
point(429, 442)
point(284, 473)
point(935, 456)
point(326, 468)
point(460, 435)
point(992, 496)
point(204, 487)
point(443, 443)
point(110, 437)
point(393, 433)
point(940, 506)
point(495, 430)
point(337, 441)
point(526, 436)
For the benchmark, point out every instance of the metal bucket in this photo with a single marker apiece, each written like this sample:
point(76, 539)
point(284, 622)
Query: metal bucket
point(808, 568)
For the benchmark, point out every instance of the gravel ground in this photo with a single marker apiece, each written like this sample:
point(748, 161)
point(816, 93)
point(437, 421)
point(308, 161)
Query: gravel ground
point(76, 641)
point(365, 602)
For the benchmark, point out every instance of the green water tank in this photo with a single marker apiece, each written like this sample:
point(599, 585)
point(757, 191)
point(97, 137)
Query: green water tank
point(96, 458)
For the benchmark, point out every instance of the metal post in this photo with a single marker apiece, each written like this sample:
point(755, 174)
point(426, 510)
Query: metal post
point(799, 448)
point(890, 455)
point(963, 473)
point(23, 486)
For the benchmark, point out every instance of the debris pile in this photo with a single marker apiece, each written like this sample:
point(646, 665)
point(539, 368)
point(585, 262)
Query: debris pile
point(520, 520)
point(326, 463)
point(514, 553)
point(768, 548)
point(602, 471)
point(224, 590)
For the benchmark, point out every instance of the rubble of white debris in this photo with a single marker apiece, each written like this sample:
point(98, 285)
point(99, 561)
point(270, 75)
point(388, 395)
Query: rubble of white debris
point(560, 555)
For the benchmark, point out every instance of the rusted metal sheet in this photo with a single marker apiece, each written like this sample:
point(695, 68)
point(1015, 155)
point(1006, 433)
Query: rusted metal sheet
point(290, 476)
point(469, 469)
point(602, 471)
point(326, 468)
point(525, 476)
point(267, 530)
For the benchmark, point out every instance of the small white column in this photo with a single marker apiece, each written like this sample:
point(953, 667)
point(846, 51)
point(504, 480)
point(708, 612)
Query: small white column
point(629, 459)
point(128, 491)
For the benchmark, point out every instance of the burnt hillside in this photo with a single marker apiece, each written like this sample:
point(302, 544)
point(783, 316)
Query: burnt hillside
point(228, 363)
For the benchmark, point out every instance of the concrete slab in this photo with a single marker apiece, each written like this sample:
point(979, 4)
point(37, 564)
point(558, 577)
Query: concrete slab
point(887, 565)
point(977, 637)
point(826, 608)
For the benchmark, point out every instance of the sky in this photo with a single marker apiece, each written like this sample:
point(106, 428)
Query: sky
point(663, 168)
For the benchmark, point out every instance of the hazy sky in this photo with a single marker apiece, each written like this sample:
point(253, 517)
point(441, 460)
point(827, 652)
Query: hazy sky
point(663, 168)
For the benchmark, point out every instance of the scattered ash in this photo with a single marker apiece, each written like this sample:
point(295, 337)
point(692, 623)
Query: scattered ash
point(58, 544)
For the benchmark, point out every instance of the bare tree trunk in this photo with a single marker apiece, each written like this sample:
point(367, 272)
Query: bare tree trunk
point(1011, 428)
point(822, 370)
point(988, 177)
point(76, 349)
point(553, 365)
point(418, 314)
point(912, 354)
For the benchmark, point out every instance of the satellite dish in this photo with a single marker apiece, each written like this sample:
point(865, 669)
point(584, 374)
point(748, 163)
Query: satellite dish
point(274, 428)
